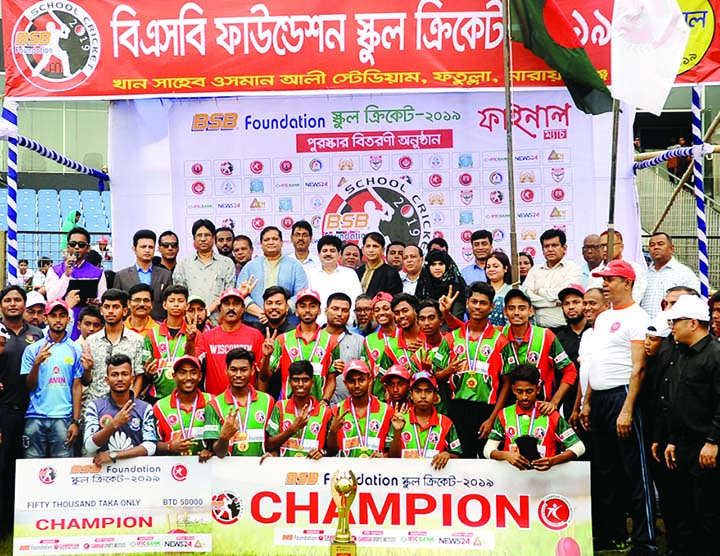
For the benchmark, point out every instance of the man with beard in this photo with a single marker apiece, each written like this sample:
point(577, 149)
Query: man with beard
point(569, 336)
point(350, 345)
point(364, 323)
point(275, 307)
point(196, 312)
point(307, 342)
point(213, 345)
point(53, 369)
point(118, 425)
point(14, 396)
point(35, 310)
point(224, 237)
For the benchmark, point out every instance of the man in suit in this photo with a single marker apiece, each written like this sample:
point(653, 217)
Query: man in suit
point(376, 275)
point(143, 271)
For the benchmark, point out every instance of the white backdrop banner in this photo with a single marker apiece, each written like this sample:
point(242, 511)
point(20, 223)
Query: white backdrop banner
point(413, 166)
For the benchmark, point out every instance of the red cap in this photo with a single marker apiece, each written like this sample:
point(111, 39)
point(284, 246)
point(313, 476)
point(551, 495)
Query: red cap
point(184, 359)
point(56, 303)
point(307, 292)
point(397, 370)
point(232, 292)
point(382, 296)
point(356, 365)
point(577, 289)
point(617, 268)
point(423, 375)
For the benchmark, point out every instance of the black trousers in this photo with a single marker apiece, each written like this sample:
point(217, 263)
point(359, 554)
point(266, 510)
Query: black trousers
point(700, 503)
point(467, 416)
point(620, 480)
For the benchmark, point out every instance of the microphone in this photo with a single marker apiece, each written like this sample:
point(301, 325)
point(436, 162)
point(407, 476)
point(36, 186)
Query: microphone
point(76, 254)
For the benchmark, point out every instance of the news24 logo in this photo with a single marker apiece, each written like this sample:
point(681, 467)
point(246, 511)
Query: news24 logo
point(219, 121)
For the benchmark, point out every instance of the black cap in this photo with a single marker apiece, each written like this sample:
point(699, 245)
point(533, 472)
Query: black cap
point(517, 292)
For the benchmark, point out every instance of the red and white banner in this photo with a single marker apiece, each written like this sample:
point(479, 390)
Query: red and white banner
point(129, 48)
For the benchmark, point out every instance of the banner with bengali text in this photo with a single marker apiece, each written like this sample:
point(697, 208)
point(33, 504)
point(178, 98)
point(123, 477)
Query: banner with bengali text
point(128, 48)
point(285, 507)
point(411, 166)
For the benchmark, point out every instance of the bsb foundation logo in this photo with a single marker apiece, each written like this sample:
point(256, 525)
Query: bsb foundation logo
point(56, 49)
point(378, 203)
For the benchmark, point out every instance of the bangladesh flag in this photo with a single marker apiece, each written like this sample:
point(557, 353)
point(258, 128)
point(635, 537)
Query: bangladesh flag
point(547, 33)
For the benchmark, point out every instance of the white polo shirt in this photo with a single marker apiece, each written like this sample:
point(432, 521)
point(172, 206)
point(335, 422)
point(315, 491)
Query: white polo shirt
point(614, 333)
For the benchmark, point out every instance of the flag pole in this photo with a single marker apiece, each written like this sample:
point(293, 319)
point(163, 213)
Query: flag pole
point(613, 180)
point(507, 63)
point(699, 191)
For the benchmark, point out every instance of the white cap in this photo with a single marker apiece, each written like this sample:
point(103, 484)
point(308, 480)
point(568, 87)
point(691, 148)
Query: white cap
point(659, 326)
point(689, 306)
point(35, 298)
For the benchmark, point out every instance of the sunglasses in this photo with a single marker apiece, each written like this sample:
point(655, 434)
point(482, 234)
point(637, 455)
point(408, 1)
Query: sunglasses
point(173, 245)
point(80, 244)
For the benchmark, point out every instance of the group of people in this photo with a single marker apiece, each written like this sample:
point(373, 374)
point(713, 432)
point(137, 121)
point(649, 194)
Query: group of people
point(378, 350)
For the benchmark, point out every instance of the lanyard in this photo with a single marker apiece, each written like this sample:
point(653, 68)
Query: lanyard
point(477, 347)
point(363, 442)
point(305, 428)
point(242, 428)
point(529, 343)
point(178, 341)
point(427, 440)
point(532, 422)
point(192, 415)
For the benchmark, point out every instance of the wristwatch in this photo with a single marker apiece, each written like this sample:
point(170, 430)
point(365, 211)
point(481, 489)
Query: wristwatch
point(113, 457)
point(75, 422)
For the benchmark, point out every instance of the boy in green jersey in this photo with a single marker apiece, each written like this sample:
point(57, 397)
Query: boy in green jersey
point(420, 431)
point(361, 422)
point(530, 438)
point(180, 416)
point(235, 420)
point(298, 425)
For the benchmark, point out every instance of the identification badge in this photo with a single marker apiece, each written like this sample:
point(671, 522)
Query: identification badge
point(373, 443)
point(350, 443)
point(482, 367)
point(317, 369)
point(411, 454)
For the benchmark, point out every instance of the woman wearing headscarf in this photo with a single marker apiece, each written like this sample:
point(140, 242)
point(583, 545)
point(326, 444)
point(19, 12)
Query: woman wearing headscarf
point(438, 275)
point(71, 220)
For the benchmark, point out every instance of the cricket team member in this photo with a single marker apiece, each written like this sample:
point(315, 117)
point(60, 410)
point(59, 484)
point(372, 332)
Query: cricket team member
point(534, 446)
point(307, 342)
point(235, 420)
point(470, 360)
point(298, 425)
point(119, 426)
point(539, 347)
point(180, 416)
point(439, 441)
point(361, 423)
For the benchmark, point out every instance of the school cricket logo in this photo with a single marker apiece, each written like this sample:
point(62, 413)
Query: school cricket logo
point(56, 49)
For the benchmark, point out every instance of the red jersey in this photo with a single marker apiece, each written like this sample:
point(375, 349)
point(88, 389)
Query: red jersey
point(214, 344)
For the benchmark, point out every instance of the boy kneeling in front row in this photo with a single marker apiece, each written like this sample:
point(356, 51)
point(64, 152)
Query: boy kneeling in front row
point(426, 433)
point(530, 439)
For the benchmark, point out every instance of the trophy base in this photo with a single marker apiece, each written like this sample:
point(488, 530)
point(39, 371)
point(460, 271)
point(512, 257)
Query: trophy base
point(343, 549)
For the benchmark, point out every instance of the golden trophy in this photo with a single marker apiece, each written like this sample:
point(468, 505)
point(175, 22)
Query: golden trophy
point(344, 488)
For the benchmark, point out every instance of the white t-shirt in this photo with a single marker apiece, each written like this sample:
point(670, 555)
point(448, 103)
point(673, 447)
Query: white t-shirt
point(585, 353)
point(614, 332)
